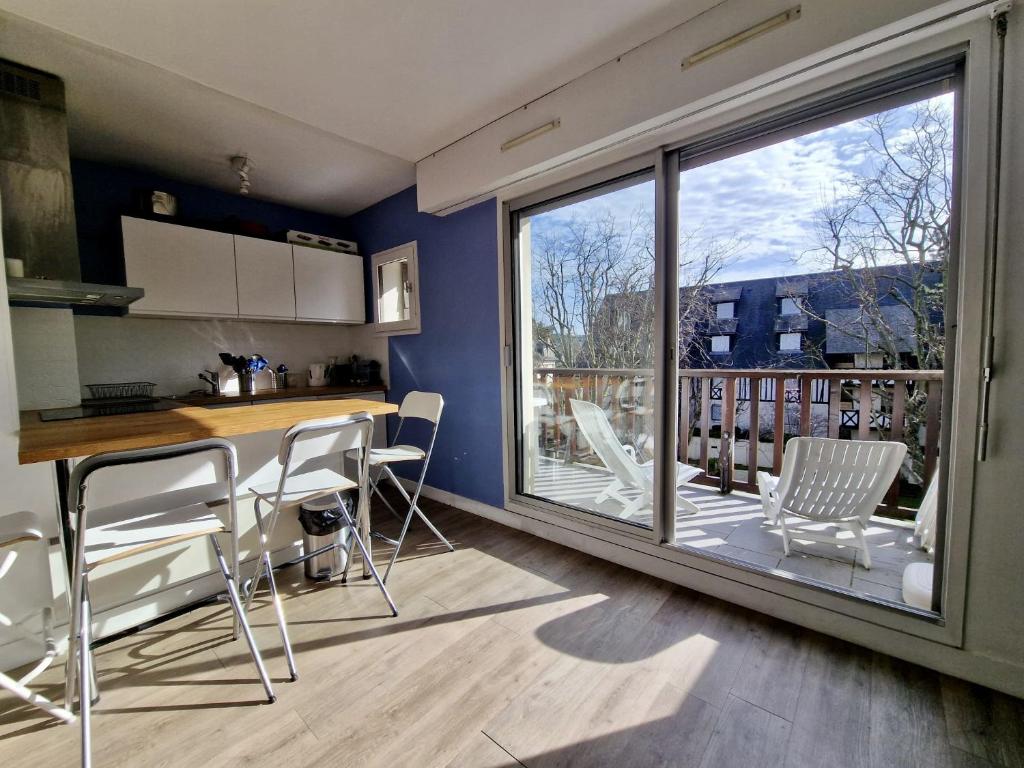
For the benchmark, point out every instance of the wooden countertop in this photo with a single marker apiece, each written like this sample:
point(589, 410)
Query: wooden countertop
point(278, 394)
point(53, 440)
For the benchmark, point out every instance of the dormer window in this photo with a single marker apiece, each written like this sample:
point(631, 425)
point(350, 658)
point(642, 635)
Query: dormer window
point(725, 310)
point(789, 342)
point(789, 306)
point(720, 344)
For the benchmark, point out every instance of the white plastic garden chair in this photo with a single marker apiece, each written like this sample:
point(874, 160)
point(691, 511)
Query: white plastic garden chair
point(21, 537)
point(629, 474)
point(824, 480)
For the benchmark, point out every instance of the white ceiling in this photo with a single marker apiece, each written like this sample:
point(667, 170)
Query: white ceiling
point(334, 101)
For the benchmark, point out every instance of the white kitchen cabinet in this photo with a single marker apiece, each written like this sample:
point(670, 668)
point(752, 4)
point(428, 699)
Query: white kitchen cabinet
point(328, 286)
point(183, 270)
point(265, 275)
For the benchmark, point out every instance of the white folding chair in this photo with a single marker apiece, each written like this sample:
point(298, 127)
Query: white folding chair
point(421, 406)
point(627, 473)
point(21, 538)
point(825, 480)
point(111, 522)
point(312, 458)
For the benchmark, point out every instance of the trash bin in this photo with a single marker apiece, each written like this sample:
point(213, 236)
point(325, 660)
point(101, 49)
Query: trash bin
point(324, 526)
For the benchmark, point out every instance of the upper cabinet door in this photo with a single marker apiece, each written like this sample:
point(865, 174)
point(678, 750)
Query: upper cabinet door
point(266, 285)
point(328, 286)
point(184, 270)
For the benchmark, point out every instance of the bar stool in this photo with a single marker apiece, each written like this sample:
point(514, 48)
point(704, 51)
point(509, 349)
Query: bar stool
point(312, 458)
point(113, 523)
point(422, 406)
point(21, 536)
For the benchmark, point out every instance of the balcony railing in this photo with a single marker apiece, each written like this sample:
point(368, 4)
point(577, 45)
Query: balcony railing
point(756, 411)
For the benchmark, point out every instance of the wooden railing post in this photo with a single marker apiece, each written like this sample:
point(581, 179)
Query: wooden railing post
point(726, 445)
point(779, 435)
point(835, 397)
point(864, 409)
point(899, 402)
point(806, 395)
point(705, 421)
point(753, 428)
point(683, 448)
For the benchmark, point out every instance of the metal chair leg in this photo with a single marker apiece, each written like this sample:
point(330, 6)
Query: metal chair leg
point(348, 554)
point(375, 489)
point(275, 600)
point(398, 546)
point(236, 604)
point(414, 505)
point(84, 675)
point(366, 558)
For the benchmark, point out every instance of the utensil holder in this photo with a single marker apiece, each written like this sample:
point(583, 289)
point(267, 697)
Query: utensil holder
point(247, 383)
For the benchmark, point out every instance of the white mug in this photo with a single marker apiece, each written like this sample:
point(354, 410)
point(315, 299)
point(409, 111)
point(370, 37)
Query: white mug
point(317, 373)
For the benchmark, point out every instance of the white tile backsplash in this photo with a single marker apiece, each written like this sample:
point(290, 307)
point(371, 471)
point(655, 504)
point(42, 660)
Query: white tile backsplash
point(172, 352)
point(45, 363)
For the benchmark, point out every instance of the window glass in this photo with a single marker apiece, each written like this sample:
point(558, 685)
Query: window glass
point(789, 342)
point(586, 339)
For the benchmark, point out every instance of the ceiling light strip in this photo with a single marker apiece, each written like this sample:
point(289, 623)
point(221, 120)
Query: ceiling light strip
point(540, 130)
point(741, 37)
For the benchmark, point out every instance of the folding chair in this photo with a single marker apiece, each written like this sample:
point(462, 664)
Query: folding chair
point(112, 522)
point(21, 537)
point(423, 406)
point(312, 458)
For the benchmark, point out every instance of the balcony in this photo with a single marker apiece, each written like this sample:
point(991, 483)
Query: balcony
point(864, 404)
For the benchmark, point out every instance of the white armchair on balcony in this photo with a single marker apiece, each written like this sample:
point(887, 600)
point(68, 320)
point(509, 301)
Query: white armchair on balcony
point(832, 481)
point(629, 474)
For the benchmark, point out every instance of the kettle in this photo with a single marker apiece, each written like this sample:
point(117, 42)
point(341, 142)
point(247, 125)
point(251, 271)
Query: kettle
point(317, 374)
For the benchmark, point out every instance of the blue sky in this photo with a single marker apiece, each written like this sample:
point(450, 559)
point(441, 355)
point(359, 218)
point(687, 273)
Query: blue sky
point(763, 200)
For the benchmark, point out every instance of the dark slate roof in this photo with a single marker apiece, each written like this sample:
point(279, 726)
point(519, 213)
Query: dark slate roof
point(791, 286)
point(725, 292)
point(851, 331)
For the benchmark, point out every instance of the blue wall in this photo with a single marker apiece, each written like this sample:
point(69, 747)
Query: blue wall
point(458, 352)
point(103, 193)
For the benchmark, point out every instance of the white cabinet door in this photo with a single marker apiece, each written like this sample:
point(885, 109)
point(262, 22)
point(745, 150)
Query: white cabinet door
point(328, 286)
point(183, 270)
point(266, 284)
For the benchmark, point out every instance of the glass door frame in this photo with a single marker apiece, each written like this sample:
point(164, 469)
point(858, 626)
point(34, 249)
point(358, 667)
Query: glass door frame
point(579, 188)
point(756, 587)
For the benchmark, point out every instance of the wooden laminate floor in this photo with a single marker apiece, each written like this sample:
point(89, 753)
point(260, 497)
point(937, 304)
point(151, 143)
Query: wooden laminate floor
point(516, 652)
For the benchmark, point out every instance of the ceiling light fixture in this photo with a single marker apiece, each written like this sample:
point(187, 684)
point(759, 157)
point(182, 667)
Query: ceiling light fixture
point(741, 37)
point(241, 165)
point(540, 130)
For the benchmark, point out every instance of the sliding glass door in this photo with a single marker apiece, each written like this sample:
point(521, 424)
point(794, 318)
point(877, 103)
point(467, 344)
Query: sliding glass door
point(586, 334)
point(794, 276)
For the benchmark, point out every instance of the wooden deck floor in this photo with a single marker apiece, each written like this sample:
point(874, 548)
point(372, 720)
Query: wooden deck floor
point(733, 525)
point(517, 652)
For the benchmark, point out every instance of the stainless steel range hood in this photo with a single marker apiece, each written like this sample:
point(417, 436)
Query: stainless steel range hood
point(38, 217)
point(64, 293)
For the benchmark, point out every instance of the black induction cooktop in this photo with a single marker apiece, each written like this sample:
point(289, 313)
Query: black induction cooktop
point(108, 407)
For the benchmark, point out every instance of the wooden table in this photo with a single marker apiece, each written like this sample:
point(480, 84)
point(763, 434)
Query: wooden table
point(61, 441)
